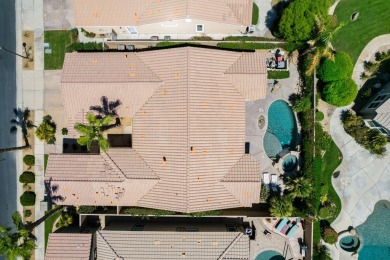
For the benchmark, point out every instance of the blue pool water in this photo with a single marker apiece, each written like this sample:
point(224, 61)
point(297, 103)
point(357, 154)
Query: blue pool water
point(282, 125)
point(269, 255)
point(289, 163)
point(374, 234)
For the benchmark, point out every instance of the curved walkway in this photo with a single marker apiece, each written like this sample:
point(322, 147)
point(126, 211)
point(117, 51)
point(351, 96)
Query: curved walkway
point(364, 178)
point(368, 53)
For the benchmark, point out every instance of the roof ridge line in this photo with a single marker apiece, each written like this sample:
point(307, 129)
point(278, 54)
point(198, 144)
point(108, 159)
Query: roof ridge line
point(108, 244)
point(111, 161)
point(238, 237)
point(188, 127)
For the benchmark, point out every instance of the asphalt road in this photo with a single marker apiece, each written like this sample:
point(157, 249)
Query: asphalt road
point(8, 173)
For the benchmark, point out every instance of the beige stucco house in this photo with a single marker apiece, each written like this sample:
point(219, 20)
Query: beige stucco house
point(185, 109)
point(179, 19)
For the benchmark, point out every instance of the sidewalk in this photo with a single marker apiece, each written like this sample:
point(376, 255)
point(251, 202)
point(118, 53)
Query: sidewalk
point(29, 16)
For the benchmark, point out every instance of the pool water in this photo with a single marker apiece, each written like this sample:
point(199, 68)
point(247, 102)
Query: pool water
point(269, 255)
point(289, 163)
point(282, 125)
point(374, 234)
point(349, 243)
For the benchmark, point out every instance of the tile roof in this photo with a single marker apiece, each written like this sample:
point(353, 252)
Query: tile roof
point(171, 245)
point(68, 246)
point(190, 133)
point(141, 12)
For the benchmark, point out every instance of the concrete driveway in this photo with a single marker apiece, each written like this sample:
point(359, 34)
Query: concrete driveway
point(58, 14)
point(53, 106)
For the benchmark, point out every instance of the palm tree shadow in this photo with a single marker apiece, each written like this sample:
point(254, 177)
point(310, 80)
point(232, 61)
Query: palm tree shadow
point(50, 191)
point(107, 108)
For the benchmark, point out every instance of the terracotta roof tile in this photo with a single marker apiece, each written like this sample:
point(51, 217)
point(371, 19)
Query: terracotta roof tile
point(141, 12)
point(68, 246)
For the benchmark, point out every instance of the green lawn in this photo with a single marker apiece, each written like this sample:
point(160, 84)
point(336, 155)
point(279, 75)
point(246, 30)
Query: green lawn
point(46, 157)
point(49, 225)
point(275, 74)
point(255, 14)
point(373, 21)
point(58, 41)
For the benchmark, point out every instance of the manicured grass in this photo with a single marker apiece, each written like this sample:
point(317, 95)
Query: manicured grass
point(355, 35)
point(45, 161)
point(274, 74)
point(58, 41)
point(255, 14)
point(49, 225)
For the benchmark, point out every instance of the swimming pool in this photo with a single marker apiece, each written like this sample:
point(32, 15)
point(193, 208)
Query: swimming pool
point(374, 234)
point(290, 163)
point(269, 255)
point(282, 125)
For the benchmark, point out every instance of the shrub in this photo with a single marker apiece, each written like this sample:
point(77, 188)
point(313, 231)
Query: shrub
point(86, 209)
point(27, 213)
point(329, 235)
point(27, 177)
point(264, 194)
point(64, 131)
point(340, 93)
point(88, 34)
point(319, 116)
point(64, 221)
point(169, 44)
point(302, 104)
point(27, 198)
point(340, 67)
point(370, 139)
point(205, 213)
point(255, 14)
point(324, 213)
point(276, 74)
point(74, 35)
point(88, 46)
point(144, 213)
point(46, 131)
point(29, 160)
point(299, 19)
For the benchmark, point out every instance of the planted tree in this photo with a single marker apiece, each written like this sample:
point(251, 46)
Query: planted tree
point(281, 207)
point(340, 93)
point(23, 122)
point(46, 130)
point(107, 108)
point(340, 67)
point(29, 160)
point(27, 177)
point(18, 241)
point(93, 131)
point(64, 221)
point(300, 187)
point(28, 198)
point(299, 20)
point(329, 235)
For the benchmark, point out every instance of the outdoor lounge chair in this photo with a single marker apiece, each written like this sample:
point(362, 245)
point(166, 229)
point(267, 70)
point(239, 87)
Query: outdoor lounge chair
point(274, 180)
point(282, 224)
point(266, 178)
point(291, 232)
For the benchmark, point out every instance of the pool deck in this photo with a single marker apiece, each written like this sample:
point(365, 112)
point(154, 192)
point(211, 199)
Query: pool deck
point(254, 135)
point(364, 180)
point(289, 248)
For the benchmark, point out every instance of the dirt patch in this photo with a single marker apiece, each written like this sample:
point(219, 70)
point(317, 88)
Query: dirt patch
point(328, 112)
point(28, 50)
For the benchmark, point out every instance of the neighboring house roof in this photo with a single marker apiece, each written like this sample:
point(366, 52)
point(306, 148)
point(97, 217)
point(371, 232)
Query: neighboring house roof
point(195, 120)
point(68, 246)
point(383, 114)
point(171, 245)
point(141, 12)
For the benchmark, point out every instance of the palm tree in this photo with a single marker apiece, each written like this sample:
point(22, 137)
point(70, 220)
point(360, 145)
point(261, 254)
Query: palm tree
point(93, 131)
point(281, 207)
point(46, 132)
point(107, 108)
point(24, 123)
point(18, 243)
point(300, 187)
